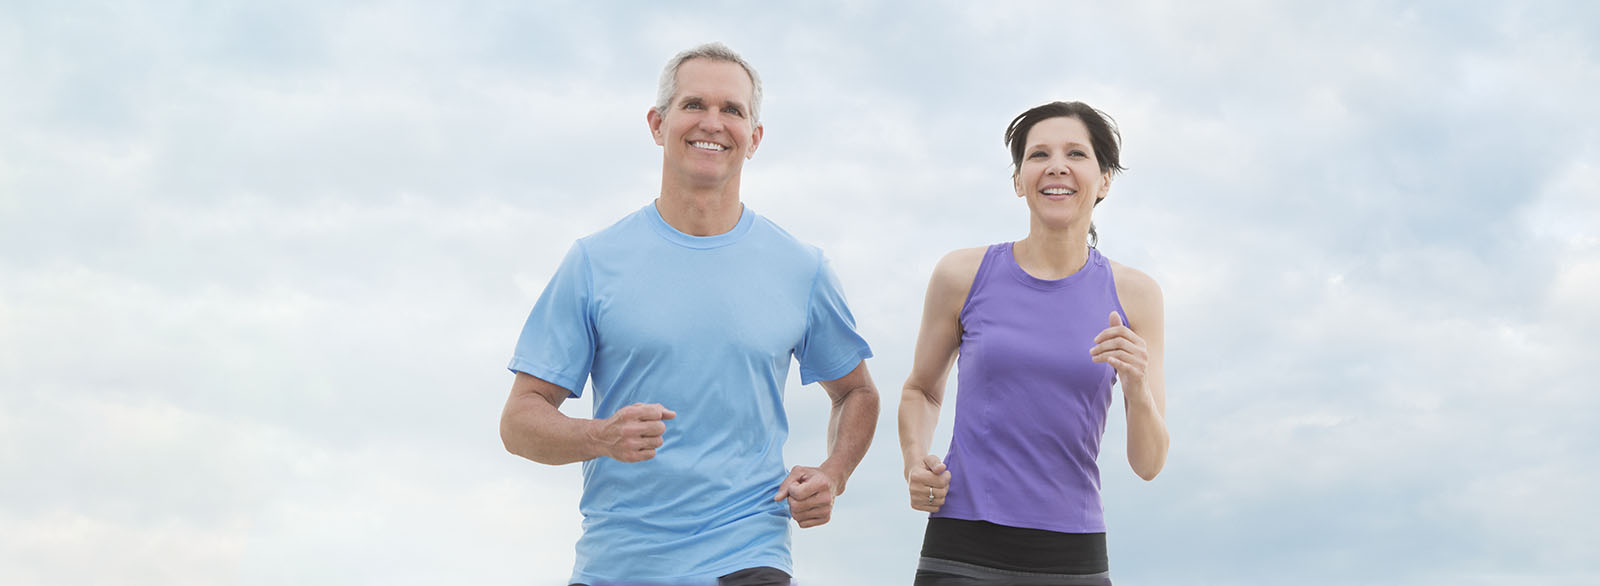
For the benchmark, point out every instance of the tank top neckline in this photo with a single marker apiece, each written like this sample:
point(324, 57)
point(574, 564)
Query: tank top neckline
point(1022, 276)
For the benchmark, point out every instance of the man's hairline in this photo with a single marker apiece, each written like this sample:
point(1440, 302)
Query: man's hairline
point(748, 76)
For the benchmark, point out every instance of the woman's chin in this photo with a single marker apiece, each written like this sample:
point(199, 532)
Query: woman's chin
point(1054, 222)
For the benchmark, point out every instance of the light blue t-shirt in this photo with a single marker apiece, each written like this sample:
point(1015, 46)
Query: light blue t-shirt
point(704, 326)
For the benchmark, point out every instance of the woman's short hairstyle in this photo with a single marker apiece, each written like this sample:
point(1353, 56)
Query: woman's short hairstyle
point(1104, 138)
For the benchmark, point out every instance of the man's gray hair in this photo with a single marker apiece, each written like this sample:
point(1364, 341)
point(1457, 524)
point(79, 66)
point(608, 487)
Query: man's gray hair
point(668, 88)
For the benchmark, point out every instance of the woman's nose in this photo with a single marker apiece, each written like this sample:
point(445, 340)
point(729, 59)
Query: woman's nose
point(1058, 166)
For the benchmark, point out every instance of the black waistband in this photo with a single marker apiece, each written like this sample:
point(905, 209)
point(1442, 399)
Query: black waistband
point(1014, 548)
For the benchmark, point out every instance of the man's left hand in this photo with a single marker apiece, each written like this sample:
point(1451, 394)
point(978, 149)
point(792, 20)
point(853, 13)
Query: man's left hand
point(810, 492)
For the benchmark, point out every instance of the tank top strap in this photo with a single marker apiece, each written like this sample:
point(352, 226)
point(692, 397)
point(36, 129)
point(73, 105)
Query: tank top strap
point(995, 260)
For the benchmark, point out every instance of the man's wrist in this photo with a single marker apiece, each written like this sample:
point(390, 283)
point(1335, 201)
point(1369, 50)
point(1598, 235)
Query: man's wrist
point(837, 475)
point(593, 429)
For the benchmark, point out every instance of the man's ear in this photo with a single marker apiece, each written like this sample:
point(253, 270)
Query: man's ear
point(653, 117)
point(755, 141)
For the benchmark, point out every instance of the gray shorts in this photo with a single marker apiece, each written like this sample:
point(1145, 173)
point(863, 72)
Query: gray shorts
point(762, 576)
point(937, 572)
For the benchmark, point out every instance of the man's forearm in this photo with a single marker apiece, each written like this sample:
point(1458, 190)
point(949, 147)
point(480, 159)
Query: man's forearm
point(540, 432)
point(850, 427)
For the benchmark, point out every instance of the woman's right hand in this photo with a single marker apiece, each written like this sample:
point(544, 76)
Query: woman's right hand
point(929, 482)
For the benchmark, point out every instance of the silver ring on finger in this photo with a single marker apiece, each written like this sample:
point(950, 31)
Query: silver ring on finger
point(930, 495)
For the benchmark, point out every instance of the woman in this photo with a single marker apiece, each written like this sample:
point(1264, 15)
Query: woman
point(1043, 327)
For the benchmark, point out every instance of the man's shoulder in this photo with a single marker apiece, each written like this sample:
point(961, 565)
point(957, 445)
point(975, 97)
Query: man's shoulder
point(623, 234)
point(773, 236)
point(630, 225)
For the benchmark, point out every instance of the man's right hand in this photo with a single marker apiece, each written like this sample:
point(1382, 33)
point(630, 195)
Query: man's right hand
point(929, 482)
point(633, 433)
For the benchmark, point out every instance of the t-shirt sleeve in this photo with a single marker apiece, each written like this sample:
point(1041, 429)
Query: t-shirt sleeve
point(558, 341)
point(830, 348)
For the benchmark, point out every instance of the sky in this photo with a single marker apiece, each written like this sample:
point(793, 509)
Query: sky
point(262, 266)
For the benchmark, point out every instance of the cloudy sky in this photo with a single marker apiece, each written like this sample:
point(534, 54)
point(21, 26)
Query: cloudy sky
point(262, 266)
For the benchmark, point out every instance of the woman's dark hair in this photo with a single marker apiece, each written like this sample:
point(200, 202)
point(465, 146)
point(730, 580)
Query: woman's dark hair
point(1103, 138)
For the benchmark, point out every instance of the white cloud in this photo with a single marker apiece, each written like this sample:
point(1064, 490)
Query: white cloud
point(261, 269)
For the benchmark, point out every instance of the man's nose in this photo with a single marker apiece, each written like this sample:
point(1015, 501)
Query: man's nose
point(710, 122)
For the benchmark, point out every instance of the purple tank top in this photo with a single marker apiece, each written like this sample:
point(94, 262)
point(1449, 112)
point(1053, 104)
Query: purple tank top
point(1030, 405)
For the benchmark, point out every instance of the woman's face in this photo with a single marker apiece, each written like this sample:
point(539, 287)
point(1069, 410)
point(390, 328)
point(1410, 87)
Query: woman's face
point(1060, 174)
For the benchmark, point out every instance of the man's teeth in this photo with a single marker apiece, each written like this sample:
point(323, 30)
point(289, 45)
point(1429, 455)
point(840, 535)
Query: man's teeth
point(709, 146)
point(1059, 191)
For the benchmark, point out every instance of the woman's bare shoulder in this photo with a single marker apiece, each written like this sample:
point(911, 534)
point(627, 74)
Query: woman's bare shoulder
point(953, 276)
point(961, 262)
point(1138, 291)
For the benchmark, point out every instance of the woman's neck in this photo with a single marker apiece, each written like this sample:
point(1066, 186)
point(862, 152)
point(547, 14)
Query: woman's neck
point(1051, 254)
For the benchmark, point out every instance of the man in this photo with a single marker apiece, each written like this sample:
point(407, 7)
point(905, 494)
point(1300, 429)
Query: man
point(685, 314)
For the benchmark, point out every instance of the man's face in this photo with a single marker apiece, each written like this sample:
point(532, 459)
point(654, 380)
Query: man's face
point(706, 131)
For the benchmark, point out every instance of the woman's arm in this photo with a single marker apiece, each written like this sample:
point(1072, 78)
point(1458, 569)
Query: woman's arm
point(1137, 353)
point(938, 340)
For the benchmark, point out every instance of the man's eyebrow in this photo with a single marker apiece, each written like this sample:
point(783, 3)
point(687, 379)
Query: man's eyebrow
point(687, 98)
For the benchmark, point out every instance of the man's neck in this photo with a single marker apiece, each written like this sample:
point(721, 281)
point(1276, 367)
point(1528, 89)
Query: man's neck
point(700, 213)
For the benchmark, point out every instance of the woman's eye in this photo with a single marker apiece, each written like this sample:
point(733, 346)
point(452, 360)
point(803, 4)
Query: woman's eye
point(1079, 154)
point(1036, 155)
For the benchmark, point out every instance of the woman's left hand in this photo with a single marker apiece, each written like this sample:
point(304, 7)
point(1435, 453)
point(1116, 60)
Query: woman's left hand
point(1124, 350)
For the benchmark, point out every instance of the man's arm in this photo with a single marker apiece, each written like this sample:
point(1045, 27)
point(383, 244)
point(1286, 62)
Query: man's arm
point(533, 426)
point(851, 424)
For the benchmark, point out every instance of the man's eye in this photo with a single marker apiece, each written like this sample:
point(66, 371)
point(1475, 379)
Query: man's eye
point(733, 110)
